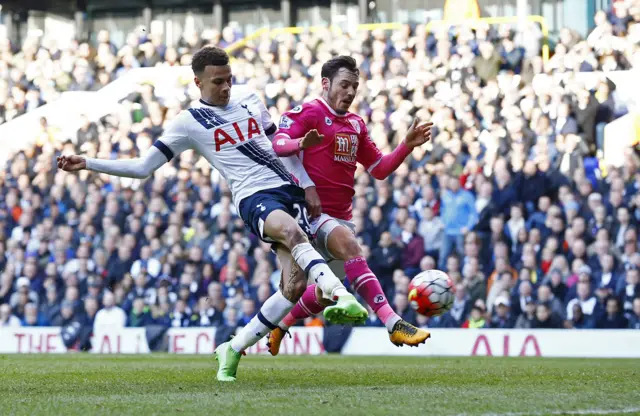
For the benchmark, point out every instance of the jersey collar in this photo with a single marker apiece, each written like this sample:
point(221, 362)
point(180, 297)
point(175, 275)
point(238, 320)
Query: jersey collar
point(326, 104)
point(215, 106)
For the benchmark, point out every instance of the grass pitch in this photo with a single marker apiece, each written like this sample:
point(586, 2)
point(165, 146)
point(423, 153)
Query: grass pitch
point(160, 384)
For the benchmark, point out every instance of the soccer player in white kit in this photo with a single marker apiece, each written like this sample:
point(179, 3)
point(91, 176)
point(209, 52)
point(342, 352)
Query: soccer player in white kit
point(231, 130)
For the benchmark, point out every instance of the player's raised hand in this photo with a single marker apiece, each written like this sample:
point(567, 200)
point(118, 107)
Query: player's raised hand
point(418, 134)
point(313, 202)
point(312, 138)
point(71, 163)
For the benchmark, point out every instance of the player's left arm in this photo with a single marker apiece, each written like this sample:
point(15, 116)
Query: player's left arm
point(381, 166)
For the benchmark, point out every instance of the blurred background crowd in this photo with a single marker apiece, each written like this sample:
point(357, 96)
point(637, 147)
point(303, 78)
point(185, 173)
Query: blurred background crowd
point(510, 198)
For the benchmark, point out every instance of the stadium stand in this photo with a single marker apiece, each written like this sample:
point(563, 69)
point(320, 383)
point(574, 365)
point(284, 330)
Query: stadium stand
point(537, 232)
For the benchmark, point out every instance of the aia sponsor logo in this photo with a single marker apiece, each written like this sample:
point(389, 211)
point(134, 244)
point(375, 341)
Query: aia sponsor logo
point(234, 133)
point(346, 147)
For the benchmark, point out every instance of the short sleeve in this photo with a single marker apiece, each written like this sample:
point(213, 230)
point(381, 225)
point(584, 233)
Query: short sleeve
point(175, 138)
point(368, 153)
point(296, 122)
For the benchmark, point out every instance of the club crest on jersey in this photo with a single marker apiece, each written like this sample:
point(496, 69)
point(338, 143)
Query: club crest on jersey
point(246, 107)
point(355, 125)
point(285, 122)
point(328, 121)
point(296, 110)
point(346, 148)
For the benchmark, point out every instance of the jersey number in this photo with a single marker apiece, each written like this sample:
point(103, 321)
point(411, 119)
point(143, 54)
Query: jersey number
point(302, 217)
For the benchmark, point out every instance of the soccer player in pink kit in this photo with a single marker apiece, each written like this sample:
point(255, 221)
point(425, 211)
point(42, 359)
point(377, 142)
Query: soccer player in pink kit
point(330, 141)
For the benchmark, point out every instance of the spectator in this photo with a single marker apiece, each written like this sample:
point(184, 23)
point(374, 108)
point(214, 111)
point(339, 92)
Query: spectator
point(474, 281)
point(577, 319)
point(7, 318)
point(522, 297)
point(90, 311)
point(503, 318)
point(32, 317)
point(545, 319)
point(527, 318)
point(181, 317)
point(110, 316)
point(413, 248)
point(488, 63)
point(386, 258)
point(476, 318)
point(431, 229)
point(546, 296)
point(23, 288)
point(631, 289)
point(51, 306)
point(584, 299)
point(225, 331)
point(248, 312)
point(461, 305)
point(66, 316)
point(612, 317)
point(146, 264)
point(634, 319)
point(139, 316)
point(459, 216)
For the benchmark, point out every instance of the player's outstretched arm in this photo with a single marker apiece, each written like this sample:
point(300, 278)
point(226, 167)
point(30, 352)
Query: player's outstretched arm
point(416, 136)
point(285, 146)
point(138, 168)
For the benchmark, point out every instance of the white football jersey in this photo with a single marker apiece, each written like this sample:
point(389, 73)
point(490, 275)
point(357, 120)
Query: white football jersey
point(233, 139)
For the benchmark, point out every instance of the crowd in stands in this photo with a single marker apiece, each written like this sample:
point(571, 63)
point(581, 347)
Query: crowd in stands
point(508, 198)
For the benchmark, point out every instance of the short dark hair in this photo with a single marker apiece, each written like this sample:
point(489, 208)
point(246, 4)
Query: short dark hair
point(333, 65)
point(209, 55)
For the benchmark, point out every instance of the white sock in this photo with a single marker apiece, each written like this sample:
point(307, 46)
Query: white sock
point(315, 266)
point(274, 309)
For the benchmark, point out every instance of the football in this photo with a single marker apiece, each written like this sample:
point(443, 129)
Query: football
point(431, 293)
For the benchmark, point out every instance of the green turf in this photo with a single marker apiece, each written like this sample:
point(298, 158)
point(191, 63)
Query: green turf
point(83, 384)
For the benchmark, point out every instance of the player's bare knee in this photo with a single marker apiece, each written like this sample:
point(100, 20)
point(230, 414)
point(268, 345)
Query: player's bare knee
point(294, 236)
point(351, 249)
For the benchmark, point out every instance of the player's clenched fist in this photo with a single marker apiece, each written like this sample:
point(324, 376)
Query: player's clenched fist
point(418, 134)
point(312, 138)
point(71, 163)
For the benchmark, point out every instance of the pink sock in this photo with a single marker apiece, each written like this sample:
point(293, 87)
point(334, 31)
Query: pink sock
point(307, 306)
point(367, 285)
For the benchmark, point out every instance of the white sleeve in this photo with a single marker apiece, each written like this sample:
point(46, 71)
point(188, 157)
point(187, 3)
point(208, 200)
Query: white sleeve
point(138, 168)
point(174, 141)
point(296, 168)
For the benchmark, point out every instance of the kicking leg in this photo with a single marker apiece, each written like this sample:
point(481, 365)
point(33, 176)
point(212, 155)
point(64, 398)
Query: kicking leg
point(292, 286)
point(282, 228)
point(342, 244)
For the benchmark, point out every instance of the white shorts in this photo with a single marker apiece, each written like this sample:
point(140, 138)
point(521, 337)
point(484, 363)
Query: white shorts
point(321, 227)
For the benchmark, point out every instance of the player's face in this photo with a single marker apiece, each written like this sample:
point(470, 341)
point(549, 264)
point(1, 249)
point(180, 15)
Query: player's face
point(341, 90)
point(215, 84)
